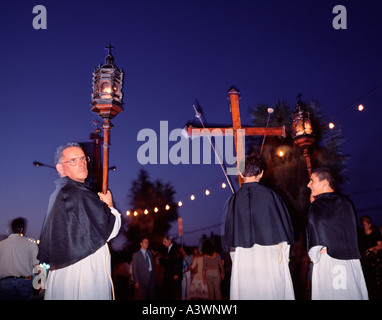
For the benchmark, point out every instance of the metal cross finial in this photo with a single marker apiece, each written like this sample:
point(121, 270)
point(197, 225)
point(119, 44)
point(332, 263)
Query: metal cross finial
point(109, 47)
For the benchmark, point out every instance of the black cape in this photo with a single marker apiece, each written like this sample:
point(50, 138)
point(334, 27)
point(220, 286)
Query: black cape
point(255, 214)
point(332, 223)
point(78, 223)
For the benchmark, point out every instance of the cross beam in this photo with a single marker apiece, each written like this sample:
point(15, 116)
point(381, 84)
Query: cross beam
point(237, 129)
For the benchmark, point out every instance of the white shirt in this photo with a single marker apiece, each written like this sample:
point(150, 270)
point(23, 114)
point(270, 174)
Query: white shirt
point(146, 256)
point(18, 256)
point(87, 279)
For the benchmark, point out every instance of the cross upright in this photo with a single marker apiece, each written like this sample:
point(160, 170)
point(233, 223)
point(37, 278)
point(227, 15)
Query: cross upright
point(238, 130)
point(109, 47)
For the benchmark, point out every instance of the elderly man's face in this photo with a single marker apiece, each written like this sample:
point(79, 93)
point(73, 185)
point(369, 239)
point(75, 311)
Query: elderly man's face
point(78, 171)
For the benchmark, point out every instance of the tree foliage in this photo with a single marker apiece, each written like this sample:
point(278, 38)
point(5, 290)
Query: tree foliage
point(288, 174)
point(146, 194)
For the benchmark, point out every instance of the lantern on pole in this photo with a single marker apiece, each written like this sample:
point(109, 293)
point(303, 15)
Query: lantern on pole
point(302, 132)
point(107, 103)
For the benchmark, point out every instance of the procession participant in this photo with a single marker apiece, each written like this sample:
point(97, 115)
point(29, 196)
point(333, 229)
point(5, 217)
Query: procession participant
point(332, 242)
point(75, 233)
point(258, 228)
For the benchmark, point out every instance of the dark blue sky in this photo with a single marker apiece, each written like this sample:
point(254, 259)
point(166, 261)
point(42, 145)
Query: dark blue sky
point(173, 52)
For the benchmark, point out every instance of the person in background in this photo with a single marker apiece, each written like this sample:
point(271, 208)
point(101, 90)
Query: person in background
point(143, 272)
point(172, 262)
point(198, 289)
point(213, 271)
point(186, 280)
point(370, 247)
point(18, 257)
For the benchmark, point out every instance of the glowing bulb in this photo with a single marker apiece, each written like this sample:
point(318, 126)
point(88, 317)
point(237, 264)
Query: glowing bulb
point(360, 107)
point(331, 125)
point(146, 211)
point(128, 213)
point(106, 89)
point(224, 185)
point(207, 192)
point(167, 207)
point(180, 203)
point(156, 209)
point(135, 213)
point(280, 153)
point(192, 197)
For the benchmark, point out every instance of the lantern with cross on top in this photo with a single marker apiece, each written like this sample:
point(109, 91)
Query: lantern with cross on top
point(107, 103)
point(302, 132)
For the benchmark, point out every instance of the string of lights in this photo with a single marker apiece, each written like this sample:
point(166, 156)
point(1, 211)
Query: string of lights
point(357, 102)
point(197, 194)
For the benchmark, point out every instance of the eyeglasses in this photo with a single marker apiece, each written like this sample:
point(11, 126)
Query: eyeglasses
point(75, 161)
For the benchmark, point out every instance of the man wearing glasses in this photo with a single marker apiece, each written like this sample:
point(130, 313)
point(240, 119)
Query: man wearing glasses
point(75, 233)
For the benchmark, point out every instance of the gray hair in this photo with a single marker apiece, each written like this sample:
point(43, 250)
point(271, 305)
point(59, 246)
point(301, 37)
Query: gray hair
point(60, 149)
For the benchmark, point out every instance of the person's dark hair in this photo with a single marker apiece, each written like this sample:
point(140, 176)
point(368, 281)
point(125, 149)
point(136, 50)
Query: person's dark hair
point(253, 165)
point(325, 174)
point(168, 237)
point(18, 225)
point(208, 248)
point(143, 238)
point(60, 149)
point(365, 218)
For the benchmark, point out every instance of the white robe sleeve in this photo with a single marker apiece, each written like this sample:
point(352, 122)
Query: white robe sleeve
point(314, 253)
point(117, 224)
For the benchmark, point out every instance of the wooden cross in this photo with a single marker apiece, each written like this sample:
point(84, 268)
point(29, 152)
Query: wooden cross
point(237, 129)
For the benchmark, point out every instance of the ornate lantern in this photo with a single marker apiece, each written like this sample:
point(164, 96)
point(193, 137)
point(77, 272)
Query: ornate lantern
point(302, 132)
point(107, 103)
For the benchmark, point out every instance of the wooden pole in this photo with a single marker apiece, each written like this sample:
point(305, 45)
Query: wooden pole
point(106, 143)
point(236, 124)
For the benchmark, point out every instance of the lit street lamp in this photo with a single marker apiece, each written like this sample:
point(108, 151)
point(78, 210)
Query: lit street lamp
point(302, 132)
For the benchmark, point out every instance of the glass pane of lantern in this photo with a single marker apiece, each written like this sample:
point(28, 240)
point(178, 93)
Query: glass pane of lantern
point(308, 126)
point(299, 128)
point(106, 87)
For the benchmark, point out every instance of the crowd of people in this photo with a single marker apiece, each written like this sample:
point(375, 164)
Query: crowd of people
point(258, 235)
point(176, 273)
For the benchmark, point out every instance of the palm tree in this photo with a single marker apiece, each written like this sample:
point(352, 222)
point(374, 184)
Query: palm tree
point(286, 170)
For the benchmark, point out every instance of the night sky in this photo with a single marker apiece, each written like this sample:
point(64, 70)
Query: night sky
point(173, 52)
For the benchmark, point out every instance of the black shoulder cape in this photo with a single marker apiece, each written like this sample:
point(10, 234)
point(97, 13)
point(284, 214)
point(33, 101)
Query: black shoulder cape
point(255, 214)
point(78, 223)
point(332, 223)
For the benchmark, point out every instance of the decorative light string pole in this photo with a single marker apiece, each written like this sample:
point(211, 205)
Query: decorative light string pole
point(302, 132)
point(107, 103)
